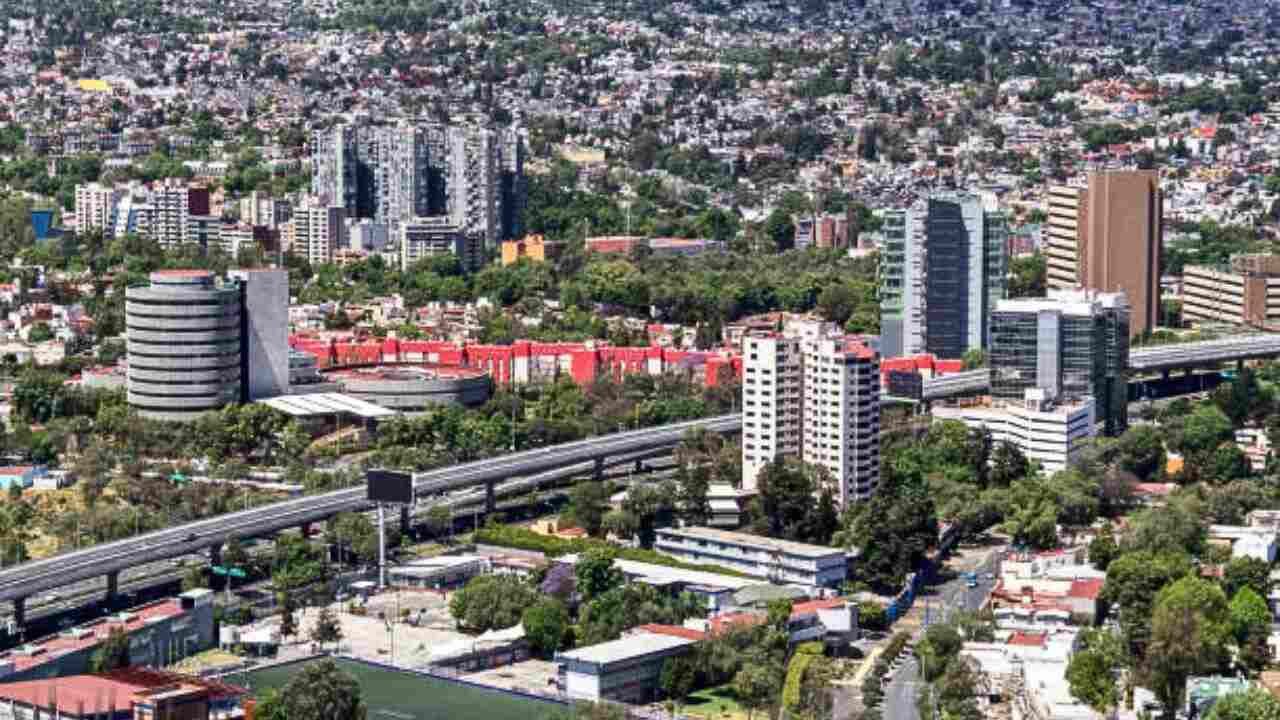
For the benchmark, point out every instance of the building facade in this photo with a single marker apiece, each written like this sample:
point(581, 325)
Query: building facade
point(1245, 292)
point(395, 174)
point(944, 267)
point(840, 420)
point(424, 237)
point(196, 344)
point(1072, 345)
point(772, 400)
point(1046, 432)
point(316, 231)
point(1108, 237)
point(780, 561)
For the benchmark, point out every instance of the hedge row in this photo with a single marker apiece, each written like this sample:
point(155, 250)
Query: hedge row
point(525, 539)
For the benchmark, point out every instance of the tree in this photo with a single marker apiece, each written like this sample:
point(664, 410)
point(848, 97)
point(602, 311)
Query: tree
point(113, 654)
point(755, 687)
point(595, 574)
point(1103, 548)
point(491, 602)
point(1246, 572)
point(650, 505)
point(1008, 464)
point(1190, 628)
point(1252, 704)
point(588, 503)
point(439, 520)
point(1249, 615)
point(893, 531)
point(545, 623)
point(322, 691)
point(1202, 432)
point(678, 677)
point(1133, 579)
point(941, 642)
point(1141, 451)
point(288, 620)
point(327, 629)
point(194, 578)
point(1092, 672)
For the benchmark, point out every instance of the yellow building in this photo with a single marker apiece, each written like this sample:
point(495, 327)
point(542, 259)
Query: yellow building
point(533, 247)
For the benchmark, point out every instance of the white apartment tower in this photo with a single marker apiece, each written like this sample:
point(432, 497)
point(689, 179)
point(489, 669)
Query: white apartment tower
point(815, 397)
point(316, 231)
point(771, 402)
point(95, 207)
point(841, 416)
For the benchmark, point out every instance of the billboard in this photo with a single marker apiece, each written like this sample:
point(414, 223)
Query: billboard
point(388, 486)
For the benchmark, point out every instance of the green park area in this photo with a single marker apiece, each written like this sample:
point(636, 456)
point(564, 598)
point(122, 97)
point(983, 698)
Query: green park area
point(410, 696)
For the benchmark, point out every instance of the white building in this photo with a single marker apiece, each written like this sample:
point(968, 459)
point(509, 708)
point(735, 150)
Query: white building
point(95, 207)
point(316, 231)
point(623, 670)
point(776, 560)
point(812, 394)
point(1047, 433)
point(424, 237)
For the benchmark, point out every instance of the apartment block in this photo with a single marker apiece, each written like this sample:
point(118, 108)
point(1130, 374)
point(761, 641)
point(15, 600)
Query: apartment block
point(1107, 237)
point(943, 267)
point(95, 207)
point(771, 402)
point(840, 428)
point(425, 237)
point(1245, 292)
point(811, 394)
point(1072, 345)
point(316, 231)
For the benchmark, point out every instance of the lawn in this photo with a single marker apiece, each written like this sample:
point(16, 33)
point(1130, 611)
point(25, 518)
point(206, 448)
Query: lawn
point(713, 702)
point(409, 696)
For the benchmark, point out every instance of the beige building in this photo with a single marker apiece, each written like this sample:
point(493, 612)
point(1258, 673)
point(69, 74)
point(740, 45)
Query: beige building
point(1247, 292)
point(1107, 237)
point(316, 231)
point(95, 207)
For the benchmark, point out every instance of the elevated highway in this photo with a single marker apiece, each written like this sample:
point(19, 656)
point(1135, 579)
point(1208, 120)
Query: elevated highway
point(22, 581)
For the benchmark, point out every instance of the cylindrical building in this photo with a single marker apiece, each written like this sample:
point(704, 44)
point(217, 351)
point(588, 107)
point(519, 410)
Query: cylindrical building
point(184, 336)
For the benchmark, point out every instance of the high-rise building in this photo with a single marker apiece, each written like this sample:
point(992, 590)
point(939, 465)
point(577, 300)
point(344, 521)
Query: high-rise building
point(183, 344)
point(841, 417)
point(1107, 237)
point(394, 174)
point(814, 395)
point(95, 207)
point(1072, 345)
point(196, 344)
point(943, 267)
point(316, 231)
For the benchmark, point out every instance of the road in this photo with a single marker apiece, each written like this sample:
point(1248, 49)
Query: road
point(940, 604)
point(40, 576)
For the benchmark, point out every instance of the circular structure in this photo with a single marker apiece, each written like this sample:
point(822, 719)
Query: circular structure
point(184, 344)
point(414, 387)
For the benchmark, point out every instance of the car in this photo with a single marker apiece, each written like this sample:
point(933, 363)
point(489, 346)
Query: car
point(192, 537)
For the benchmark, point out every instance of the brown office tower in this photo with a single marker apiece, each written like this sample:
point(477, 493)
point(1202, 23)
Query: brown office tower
point(1107, 237)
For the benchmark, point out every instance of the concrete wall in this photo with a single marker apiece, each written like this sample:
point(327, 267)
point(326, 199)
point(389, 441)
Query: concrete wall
point(266, 331)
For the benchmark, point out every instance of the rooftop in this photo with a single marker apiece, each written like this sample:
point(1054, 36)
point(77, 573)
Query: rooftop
point(787, 547)
point(627, 648)
point(326, 404)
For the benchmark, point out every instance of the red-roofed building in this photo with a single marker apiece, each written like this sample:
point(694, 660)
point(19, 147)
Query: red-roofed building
point(1027, 639)
point(125, 694)
point(672, 630)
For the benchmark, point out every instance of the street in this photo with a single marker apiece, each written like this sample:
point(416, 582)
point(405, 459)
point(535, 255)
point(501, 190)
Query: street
point(939, 603)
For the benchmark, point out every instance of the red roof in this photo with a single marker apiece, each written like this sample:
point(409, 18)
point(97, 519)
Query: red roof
point(809, 607)
point(59, 645)
point(1089, 589)
point(16, 470)
point(721, 623)
point(1161, 489)
point(672, 630)
point(76, 695)
point(1027, 639)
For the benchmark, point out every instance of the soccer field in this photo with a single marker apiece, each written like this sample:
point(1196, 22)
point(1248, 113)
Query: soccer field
point(393, 695)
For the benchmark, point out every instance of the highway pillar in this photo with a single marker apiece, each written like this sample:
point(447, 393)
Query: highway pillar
point(1240, 365)
point(113, 588)
point(405, 521)
point(20, 611)
point(1164, 375)
point(215, 554)
point(599, 471)
point(490, 498)
point(305, 529)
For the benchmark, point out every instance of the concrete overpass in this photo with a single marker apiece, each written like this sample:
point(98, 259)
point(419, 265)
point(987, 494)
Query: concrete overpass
point(493, 475)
